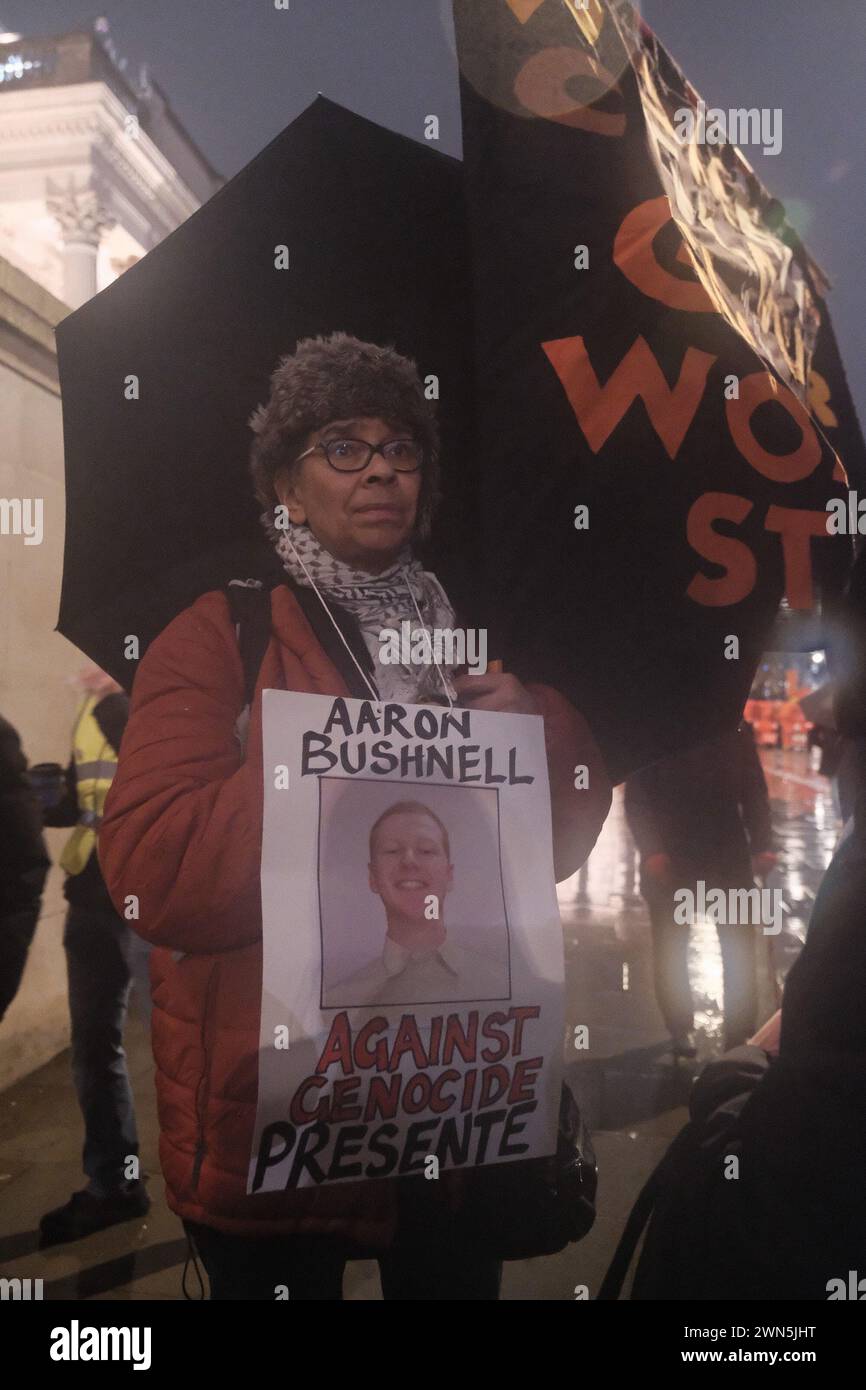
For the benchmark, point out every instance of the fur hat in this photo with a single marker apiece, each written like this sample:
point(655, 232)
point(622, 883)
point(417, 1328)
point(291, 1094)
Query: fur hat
point(336, 378)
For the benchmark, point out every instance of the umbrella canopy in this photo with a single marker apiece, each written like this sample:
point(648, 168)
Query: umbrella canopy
point(160, 505)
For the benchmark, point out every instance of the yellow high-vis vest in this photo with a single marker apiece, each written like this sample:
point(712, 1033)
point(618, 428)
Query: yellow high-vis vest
point(95, 765)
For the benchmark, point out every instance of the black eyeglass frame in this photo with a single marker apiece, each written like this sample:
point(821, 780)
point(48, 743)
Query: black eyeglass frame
point(372, 449)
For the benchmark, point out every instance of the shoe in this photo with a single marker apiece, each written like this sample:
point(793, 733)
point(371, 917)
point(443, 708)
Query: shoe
point(85, 1213)
point(683, 1045)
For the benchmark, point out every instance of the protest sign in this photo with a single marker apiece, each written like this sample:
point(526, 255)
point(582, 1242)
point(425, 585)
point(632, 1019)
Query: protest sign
point(413, 961)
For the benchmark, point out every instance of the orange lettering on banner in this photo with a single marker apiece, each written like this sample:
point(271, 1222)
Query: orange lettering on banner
point(755, 390)
point(819, 400)
point(587, 14)
point(524, 9)
point(599, 409)
point(634, 253)
point(734, 556)
point(541, 86)
point(796, 526)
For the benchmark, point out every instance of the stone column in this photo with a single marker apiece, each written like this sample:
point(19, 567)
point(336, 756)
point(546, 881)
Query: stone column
point(83, 217)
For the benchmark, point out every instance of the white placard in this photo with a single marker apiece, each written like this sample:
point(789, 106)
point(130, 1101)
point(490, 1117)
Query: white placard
point(412, 1001)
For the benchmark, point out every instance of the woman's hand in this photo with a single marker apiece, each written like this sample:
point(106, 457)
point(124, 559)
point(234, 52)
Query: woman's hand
point(495, 690)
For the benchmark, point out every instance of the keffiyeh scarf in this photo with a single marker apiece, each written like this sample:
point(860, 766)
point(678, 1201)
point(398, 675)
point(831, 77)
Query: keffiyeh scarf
point(378, 601)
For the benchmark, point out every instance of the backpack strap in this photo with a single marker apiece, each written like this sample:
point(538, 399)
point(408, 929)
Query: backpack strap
point(618, 1268)
point(311, 606)
point(250, 608)
point(639, 1216)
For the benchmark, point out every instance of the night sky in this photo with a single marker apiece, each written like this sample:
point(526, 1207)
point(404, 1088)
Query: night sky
point(237, 71)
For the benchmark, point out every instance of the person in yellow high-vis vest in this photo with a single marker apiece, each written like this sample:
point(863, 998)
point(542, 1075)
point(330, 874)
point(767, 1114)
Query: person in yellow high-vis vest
point(102, 958)
point(95, 763)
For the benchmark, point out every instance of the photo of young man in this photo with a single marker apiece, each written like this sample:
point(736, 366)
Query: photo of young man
point(420, 961)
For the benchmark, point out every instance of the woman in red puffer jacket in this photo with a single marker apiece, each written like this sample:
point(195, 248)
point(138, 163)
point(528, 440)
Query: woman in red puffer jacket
point(345, 464)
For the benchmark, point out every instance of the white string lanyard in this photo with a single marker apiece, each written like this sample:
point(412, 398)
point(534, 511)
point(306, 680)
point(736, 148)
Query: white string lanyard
point(432, 643)
point(361, 672)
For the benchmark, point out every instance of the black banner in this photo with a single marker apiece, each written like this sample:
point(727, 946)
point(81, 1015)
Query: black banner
point(652, 481)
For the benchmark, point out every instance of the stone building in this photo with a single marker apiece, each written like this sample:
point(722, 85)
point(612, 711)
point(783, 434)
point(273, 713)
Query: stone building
point(95, 170)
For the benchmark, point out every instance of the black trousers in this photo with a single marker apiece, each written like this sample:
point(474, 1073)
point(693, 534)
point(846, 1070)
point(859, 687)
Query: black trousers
point(97, 959)
point(16, 933)
point(671, 969)
point(430, 1259)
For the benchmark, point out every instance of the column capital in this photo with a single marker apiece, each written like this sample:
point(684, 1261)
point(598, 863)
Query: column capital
point(82, 212)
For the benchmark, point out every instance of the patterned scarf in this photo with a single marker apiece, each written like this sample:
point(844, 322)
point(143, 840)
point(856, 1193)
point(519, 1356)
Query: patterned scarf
point(378, 601)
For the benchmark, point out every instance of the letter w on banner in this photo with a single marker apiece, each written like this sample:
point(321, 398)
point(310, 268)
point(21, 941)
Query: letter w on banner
point(413, 963)
point(659, 397)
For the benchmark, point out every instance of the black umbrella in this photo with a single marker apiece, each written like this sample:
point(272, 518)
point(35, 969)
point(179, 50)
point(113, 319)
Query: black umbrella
point(159, 500)
point(623, 534)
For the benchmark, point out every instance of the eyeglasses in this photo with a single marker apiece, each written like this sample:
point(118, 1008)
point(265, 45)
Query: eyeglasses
point(353, 455)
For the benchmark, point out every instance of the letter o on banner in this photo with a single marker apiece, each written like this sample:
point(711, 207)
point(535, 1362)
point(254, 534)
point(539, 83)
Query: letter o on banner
point(755, 390)
point(541, 86)
point(634, 254)
point(416, 1096)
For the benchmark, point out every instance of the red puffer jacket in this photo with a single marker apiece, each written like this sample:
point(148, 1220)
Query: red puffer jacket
point(182, 833)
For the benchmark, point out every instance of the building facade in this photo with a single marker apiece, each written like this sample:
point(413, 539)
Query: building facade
point(95, 170)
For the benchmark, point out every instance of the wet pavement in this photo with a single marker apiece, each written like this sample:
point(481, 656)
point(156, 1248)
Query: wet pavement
point(632, 1092)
